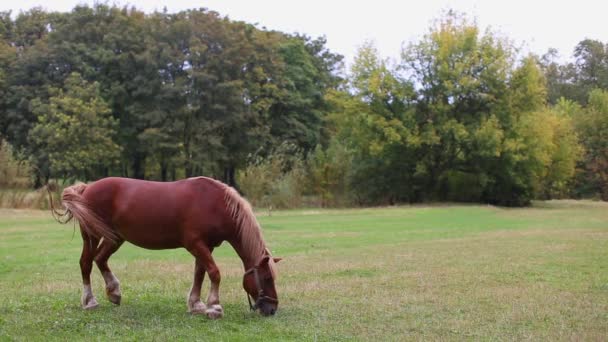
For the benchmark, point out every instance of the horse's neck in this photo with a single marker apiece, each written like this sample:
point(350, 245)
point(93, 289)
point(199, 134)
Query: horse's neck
point(248, 241)
point(248, 257)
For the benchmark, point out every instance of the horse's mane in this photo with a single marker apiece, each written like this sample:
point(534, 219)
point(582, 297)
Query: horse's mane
point(249, 230)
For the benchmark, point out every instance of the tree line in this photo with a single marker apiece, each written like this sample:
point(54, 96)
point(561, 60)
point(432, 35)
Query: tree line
point(107, 90)
point(460, 116)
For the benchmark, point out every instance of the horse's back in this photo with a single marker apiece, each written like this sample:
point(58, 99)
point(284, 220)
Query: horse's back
point(157, 215)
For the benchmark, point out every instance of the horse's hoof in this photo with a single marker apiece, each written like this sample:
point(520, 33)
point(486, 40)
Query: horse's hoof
point(197, 308)
point(90, 304)
point(215, 312)
point(114, 298)
point(113, 290)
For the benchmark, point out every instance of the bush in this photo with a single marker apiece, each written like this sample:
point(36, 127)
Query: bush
point(462, 186)
point(329, 173)
point(14, 173)
point(592, 127)
point(24, 199)
point(276, 181)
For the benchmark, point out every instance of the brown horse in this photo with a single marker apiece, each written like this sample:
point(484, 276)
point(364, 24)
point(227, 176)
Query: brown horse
point(197, 214)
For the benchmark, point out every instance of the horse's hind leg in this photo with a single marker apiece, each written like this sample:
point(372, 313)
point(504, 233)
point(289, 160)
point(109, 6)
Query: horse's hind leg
point(105, 250)
point(89, 246)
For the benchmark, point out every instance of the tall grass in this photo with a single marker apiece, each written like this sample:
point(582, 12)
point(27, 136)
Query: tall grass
point(16, 182)
point(14, 171)
point(24, 199)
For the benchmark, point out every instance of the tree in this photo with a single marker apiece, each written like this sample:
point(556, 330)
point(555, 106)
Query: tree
point(8, 54)
point(371, 120)
point(74, 132)
point(592, 128)
point(566, 152)
point(561, 79)
point(193, 92)
point(592, 64)
point(330, 172)
point(484, 131)
point(574, 81)
point(27, 73)
point(461, 77)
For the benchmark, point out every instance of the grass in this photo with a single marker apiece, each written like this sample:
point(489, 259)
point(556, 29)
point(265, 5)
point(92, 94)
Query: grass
point(402, 273)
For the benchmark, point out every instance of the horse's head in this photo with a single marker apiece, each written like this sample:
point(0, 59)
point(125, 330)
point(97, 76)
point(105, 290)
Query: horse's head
point(258, 282)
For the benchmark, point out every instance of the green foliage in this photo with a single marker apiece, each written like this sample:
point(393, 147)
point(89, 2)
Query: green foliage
point(567, 151)
point(275, 181)
point(459, 117)
point(592, 64)
point(14, 172)
point(287, 179)
point(592, 128)
point(528, 92)
point(75, 131)
point(463, 186)
point(546, 151)
point(329, 172)
point(374, 123)
point(463, 107)
point(192, 92)
point(575, 80)
point(458, 121)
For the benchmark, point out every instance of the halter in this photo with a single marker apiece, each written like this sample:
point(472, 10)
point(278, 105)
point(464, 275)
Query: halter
point(258, 284)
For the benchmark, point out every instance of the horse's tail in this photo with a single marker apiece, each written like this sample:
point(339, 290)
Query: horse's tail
point(76, 206)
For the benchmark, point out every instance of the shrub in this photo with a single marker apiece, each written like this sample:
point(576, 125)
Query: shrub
point(329, 174)
point(14, 172)
point(276, 181)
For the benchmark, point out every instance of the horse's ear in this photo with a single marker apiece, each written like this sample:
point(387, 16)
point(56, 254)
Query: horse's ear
point(277, 260)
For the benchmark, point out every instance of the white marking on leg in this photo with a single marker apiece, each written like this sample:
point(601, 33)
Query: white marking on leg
point(110, 279)
point(214, 294)
point(87, 291)
point(195, 306)
point(215, 311)
point(112, 287)
point(88, 300)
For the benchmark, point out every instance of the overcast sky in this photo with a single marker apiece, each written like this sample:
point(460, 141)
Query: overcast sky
point(534, 25)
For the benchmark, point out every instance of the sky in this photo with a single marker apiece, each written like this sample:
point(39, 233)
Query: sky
point(533, 25)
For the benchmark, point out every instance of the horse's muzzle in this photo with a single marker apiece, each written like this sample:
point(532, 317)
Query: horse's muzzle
point(267, 309)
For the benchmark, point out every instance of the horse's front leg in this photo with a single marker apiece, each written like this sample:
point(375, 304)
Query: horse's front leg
point(195, 306)
point(203, 257)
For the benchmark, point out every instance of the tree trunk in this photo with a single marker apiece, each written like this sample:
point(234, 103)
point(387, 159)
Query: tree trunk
point(187, 138)
point(37, 181)
point(138, 166)
point(163, 171)
point(125, 169)
point(188, 169)
point(229, 177)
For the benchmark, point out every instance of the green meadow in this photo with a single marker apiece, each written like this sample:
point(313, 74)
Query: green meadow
point(444, 272)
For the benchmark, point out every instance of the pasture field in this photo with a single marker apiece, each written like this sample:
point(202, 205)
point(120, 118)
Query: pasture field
point(446, 272)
